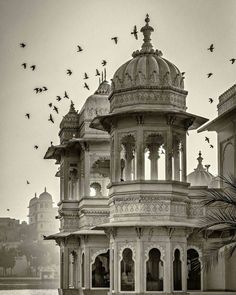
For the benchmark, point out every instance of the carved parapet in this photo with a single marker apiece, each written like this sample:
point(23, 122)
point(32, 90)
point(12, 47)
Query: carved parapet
point(227, 100)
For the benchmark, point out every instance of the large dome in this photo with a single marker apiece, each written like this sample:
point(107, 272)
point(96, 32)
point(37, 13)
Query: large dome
point(45, 196)
point(149, 70)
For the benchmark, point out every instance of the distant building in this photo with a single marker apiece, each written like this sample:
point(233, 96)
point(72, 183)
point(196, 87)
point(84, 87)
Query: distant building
point(11, 230)
point(42, 215)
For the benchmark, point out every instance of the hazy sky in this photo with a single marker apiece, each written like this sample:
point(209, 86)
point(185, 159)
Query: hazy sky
point(52, 29)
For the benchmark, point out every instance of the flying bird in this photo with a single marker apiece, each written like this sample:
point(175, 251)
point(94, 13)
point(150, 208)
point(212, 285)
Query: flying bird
point(209, 75)
point(27, 115)
point(69, 72)
point(8, 209)
point(22, 45)
point(40, 89)
point(24, 65)
point(104, 62)
point(207, 139)
point(45, 88)
point(50, 104)
point(27, 182)
point(51, 118)
point(86, 76)
point(36, 89)
point(211, 146)
point(183, 73)
point(79, 48)
point(211, 100)
point(115, 39)
point(232, 60)
point(58, 98)
point(97, 72)
point(33, 67)
point(211, 48)
point(55, 109)
point(36, 147)
point(66, 95)
point(135, 32)
point(86, 86)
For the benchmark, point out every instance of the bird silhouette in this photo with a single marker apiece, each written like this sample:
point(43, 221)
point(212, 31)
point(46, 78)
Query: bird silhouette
point(183, 73)
point(66, 95)
point(232, 60)
point(211, 48)
point(36, 89)
point(27, 182)
point(69, 72)
point(8, 209)
point(22, 45)
point(58, 98)
point(50, 104)
point(79, 48)
point(27, 115)
point(211, 100)
point(211, 146)
point(86, 76)
point(207, 139)
point(135, 32)
point(104, 62)
point(24, 65)
point(55, 109)
point(40, 90)
point(45, 88)
point(33, 67)
point(97, 72)
point(115, 39)
point(86, 86)
point(209, 75)
point(36, 147)
point(51, 118)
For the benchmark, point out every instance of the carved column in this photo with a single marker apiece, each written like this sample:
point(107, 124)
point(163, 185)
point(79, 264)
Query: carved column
point(169, 155)
point(168, 269)
point(129, 156)
point(116, 269)
point(86, 172)
point(184, 169)
point(66, 268)
point(140, 155)
point(65, 179)
point(116, 160)
point(153, 157)
point(176, 155)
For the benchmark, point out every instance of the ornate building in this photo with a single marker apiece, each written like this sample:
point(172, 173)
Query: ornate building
point(138, 237)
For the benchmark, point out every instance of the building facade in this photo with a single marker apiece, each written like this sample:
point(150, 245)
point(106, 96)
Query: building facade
point(128, 215)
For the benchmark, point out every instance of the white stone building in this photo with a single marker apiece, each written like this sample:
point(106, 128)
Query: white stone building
point(135, 233)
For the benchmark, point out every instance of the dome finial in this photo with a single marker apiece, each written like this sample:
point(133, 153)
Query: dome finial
point(147, 30)
point(45, 189)
point(200, 159)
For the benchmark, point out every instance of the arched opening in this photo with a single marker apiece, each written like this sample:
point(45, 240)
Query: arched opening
point(95, 189)
point(177, 271)
point(194, 270)
point(154, 271)
point(101, 271)
point(82, 271)
point(127, 271)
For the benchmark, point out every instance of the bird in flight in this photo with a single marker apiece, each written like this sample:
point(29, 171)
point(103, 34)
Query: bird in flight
point(79, 48)
point(211, 100)
point(27, 182)
point(207, 139)
point(45, 88)
point(86, 86)
point(51, 118)
point(8, 209)
point(211, 146)
point(27, 115)
point(135, 32)
point(36, 147)
point(104, 62)
point(86, 76)
point(183, 73)
point(36, 89)
point(97, 72)
point(58, 98)
point(232, 60)
point(50, 104)
point(24, 65)
point(69, 72)
point(209, 75)
point(211, 48)
point(55, 109)
point(33, 67)
point(66, 95)
point(22, 45)
point(115, 39)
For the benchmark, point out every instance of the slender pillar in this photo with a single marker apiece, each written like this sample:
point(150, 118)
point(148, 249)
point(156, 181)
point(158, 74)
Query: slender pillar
point(184, 171)
point(66, 269)
point(65, 180)
point(128, 157)
point(169, 155)
point(86, 268)
point(117, 168)
point(140, 156)
point(87, 173)
point(154, 156)
point(111, 268)
point(168, 265)
point(116, 269)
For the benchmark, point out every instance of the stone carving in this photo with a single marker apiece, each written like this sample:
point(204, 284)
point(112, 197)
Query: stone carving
point(181, 250)
point(94, 252)
point(123, 246)
point(161, 248)
point(195, 210)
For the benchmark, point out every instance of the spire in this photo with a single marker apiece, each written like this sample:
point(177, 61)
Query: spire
point(45, 189)
point(35, 195)
point(200, 159)
point(147, 30)
point(72, 107)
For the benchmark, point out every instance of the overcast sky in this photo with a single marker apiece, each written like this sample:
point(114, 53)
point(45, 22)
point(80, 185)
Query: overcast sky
point(52, 29)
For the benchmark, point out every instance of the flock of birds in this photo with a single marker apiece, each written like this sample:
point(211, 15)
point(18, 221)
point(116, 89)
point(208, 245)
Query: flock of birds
point(69, 72)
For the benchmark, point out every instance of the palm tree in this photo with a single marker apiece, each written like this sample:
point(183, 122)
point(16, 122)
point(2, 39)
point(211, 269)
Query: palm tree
point(219, 224)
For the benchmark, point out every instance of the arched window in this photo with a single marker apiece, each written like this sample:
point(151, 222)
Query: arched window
point(101, 271)
point(194, 270)
point(177, 271)
point(154, 271)
point(82, 271)
point(127, 271)
point(95, 189)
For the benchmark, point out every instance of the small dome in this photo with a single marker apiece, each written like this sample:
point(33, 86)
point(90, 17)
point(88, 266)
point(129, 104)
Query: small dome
point(104, 88)
point(200, 176)
point(71, 119)
point(45, 196)
point(33, 200)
